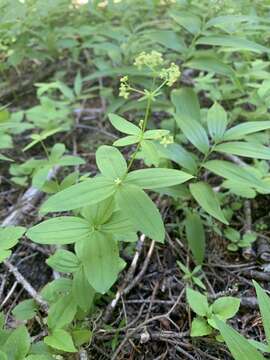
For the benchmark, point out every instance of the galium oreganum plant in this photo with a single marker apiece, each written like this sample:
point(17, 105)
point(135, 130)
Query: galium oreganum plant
point(107, 208)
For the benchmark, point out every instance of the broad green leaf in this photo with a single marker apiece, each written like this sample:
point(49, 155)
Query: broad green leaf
point(246, 149)
point(140, 209)
point(237, 188)
point(233, 42)
point(83, 292)
point(127, 140)
point(238, 132)
point(210, 64)
point(194, 132)
point(101, 262)
point(4, 254)
point(60, 340)
point(186, 103)
point(62, 312)
point(56, 288)
point(200, 327)
point(155, 134)
point(216, 122)
point(81, 336)
point(3, 356)
point(100, 213)
point(157, 178)
point(123, 125)
point(179, 155)
point(40, 176)
point(207, 199)
point(197, 302)
point(240, 347)
point(88, 192)
point(230, 19)
point(169, 39)
point(10, 235)
point(188, 20)
point(70, 160)
point(264, 305)
point(233, 172)
point(60, 230)
point(25, 310)
point(64, 261)
point(18, 344)
point(195, 236)
point(118, 224)
point(111, 162)
point(226, 307)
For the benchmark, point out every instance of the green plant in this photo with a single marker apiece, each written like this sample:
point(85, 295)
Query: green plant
point(204, 323)
point(236, 241)
point(192, 277)
point(240, 347)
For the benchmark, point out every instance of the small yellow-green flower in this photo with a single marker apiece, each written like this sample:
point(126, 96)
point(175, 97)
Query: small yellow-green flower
point(167, 140)
point(171, 74)
point(124, 87)
point(152, 59)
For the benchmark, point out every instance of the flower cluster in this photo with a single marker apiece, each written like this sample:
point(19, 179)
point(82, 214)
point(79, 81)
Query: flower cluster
point(151, 60)
point(124, 87)
point(167, 2)
point(170, 74)
point(167, 140)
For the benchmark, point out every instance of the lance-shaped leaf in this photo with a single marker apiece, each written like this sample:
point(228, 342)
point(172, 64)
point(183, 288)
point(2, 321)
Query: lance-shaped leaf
point(157, 178)
point(82, 291)
point(17, 344)
point(239, 346)
point(197, 302)
point(88, 192)
point(240, 131)
point(60, 230)
point(111, 162)
point(101, 262)
point(186, 103)
point(118, 224)
point(141, 211)
point(123, 125)
point(207, 199)
point(234, 173)
point(246, 149)
point(62, 312)
point(195, 236)
point(60, 340)
point(264, 305)
point(210, 64)
point(216, 121)
point(64, 261)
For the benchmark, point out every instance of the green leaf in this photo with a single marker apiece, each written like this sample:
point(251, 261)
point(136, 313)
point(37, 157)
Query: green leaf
point(210, 64)
point(240, 348)
point(62, 312)
point(64, 261)
point(25, 310)
point(233, 172)
point(194, 132)
point(200, 327)
point(238, 132)
point(207, 199)
point(60, 230)
point(233, 42)
point(111, 162)
point(3, 356)
point(88, 192)
point(197, 302)
point(101, 262)
point(188, 20)
point(216, 122)
point(186, 103)
point(83, 292)
point(140, 209)
point(195, 236)
point(60, 340)
point(264, 305)
point(169, 39)
point(246, 149)
point(10, 235)
point(127, 140)
point(226, 307)
point(81, 336)
point(123, 125)
point(118, 224)
point(78, 84)
point(100, 213)
point(157, 178)
point(18, 344)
